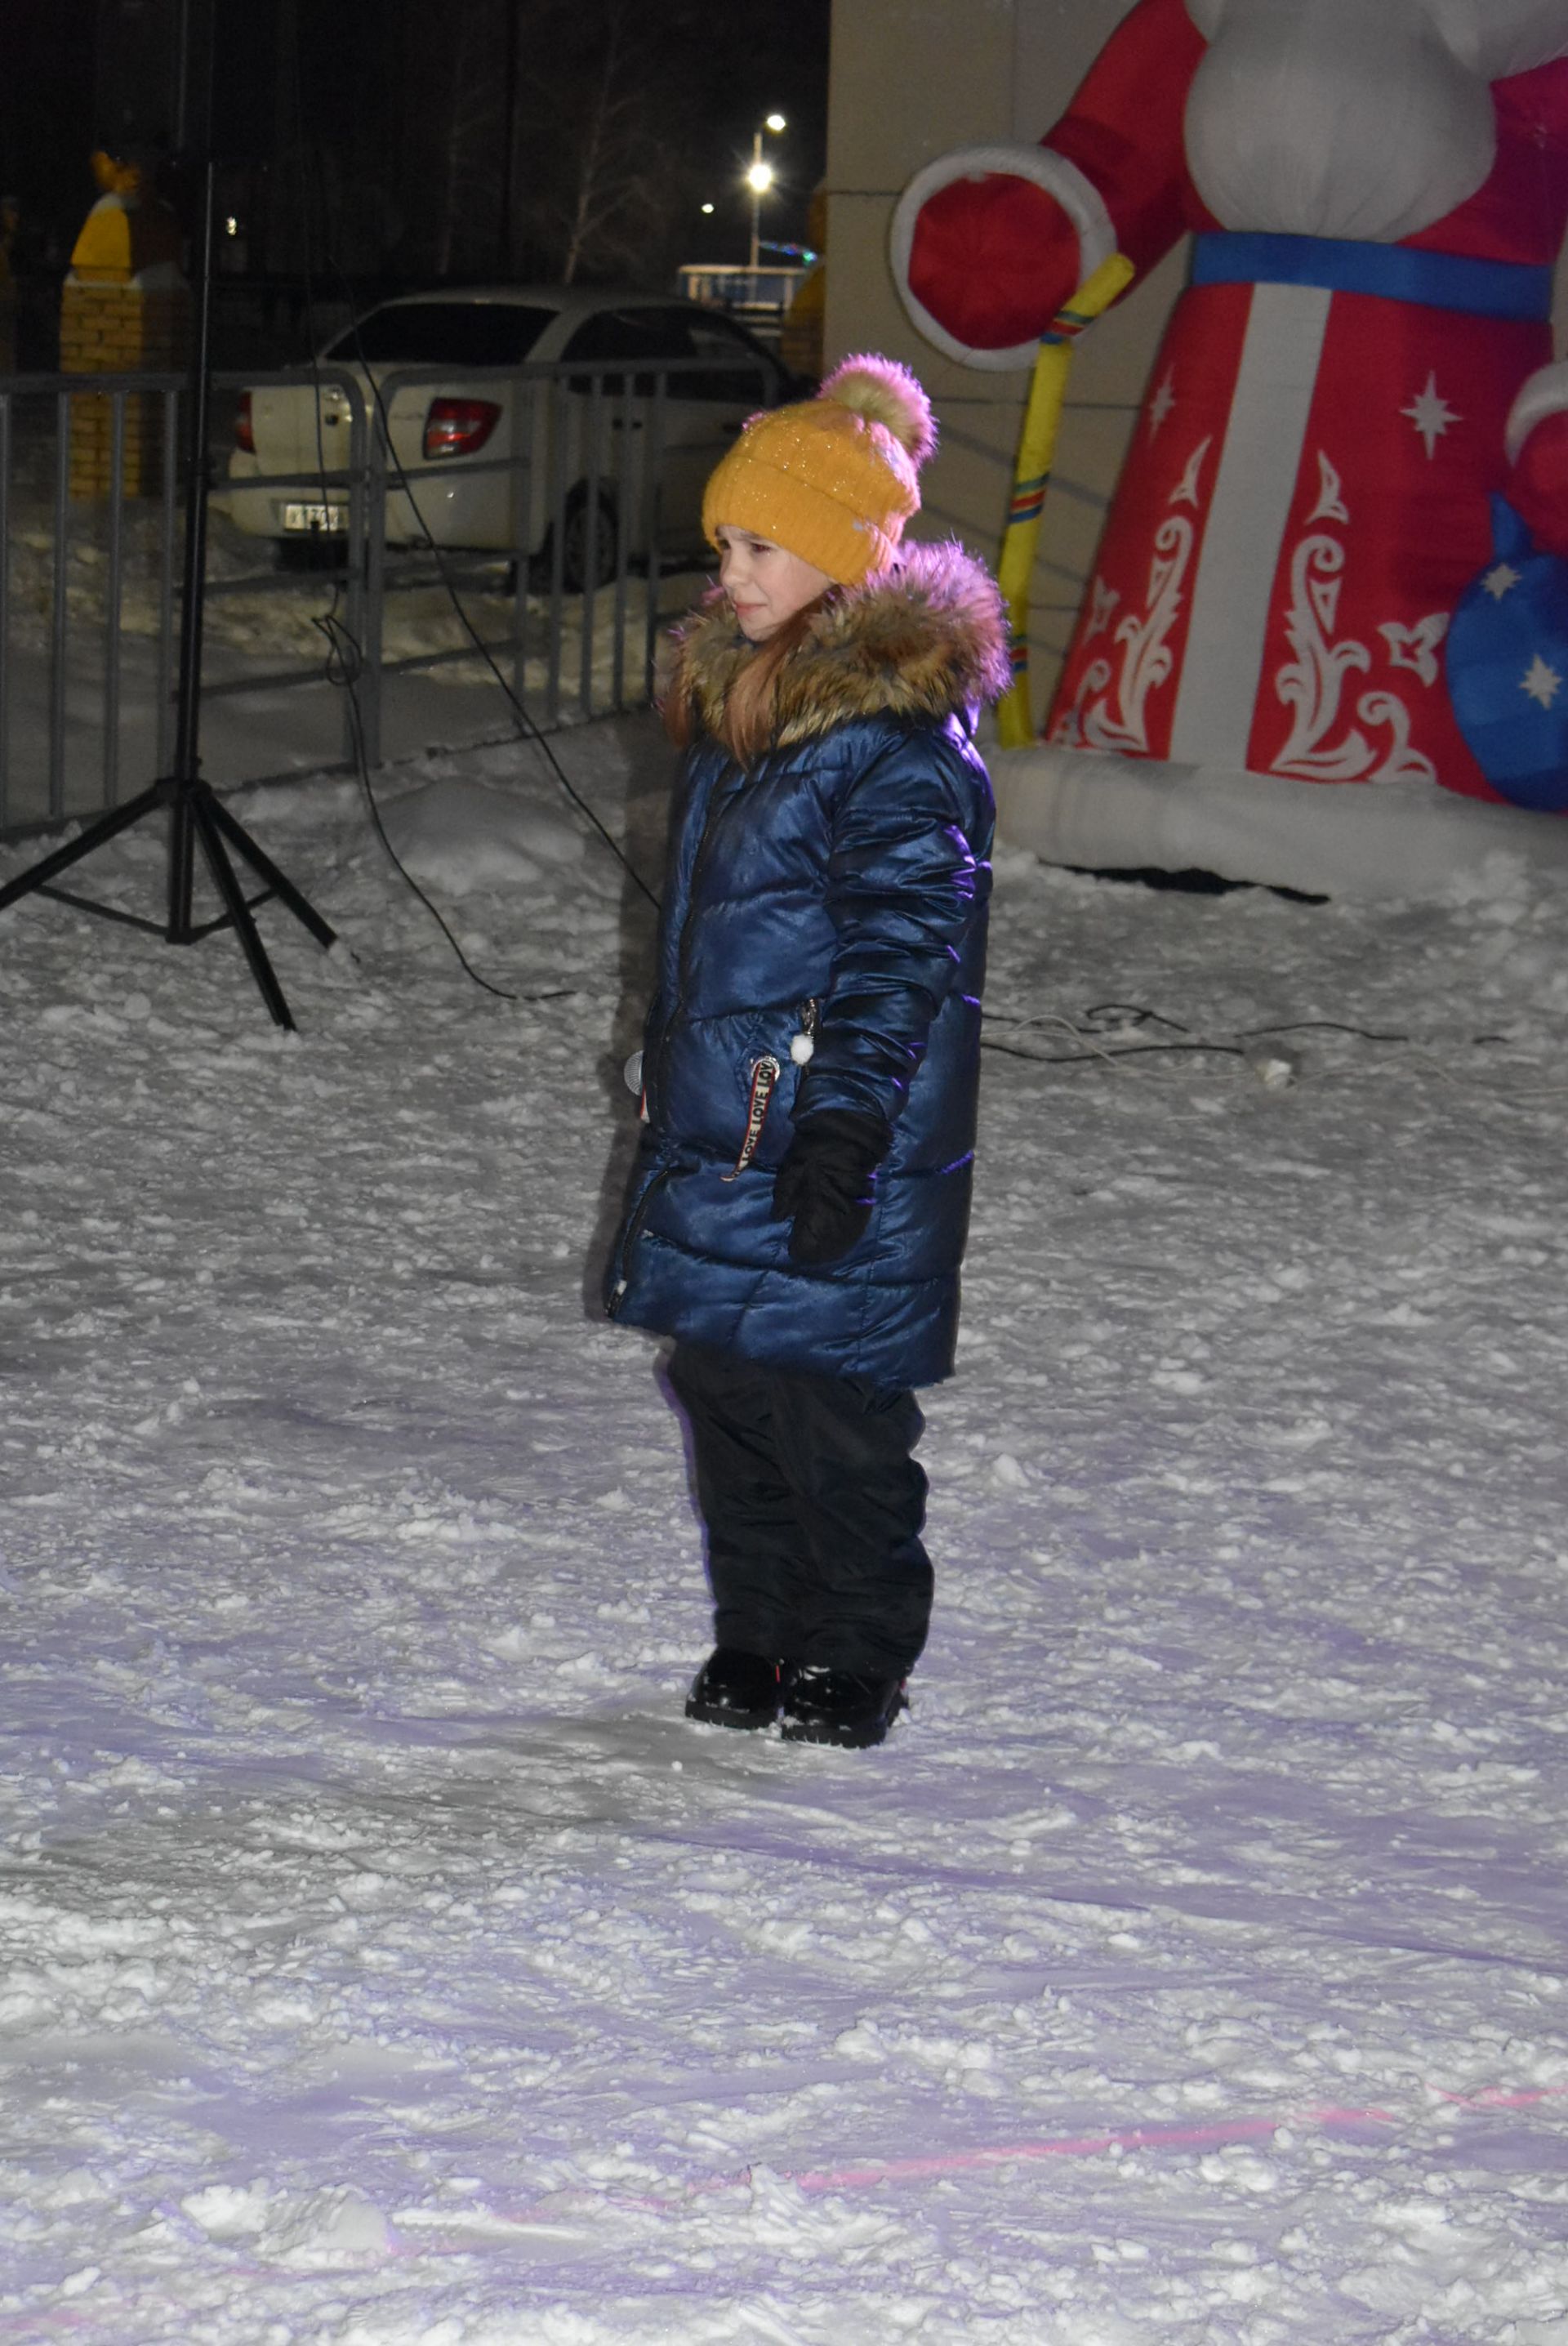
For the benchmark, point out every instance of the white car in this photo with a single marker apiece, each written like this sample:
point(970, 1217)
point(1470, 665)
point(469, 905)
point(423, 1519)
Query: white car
point(460, 436)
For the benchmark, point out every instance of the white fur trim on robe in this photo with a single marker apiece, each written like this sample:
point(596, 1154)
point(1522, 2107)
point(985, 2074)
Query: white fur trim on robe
point(1078, 197)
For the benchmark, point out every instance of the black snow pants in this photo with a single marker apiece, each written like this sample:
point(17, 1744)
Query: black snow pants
point(813, 1508)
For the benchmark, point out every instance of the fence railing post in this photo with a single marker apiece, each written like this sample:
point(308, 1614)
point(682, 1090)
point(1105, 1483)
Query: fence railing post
point(59, 605)
point(112, 554)
point(4, 608)
point(367, 454)
point(625, 484)
point(653, 526)
point(560, 413)
point(169, 483)
point(525, 423)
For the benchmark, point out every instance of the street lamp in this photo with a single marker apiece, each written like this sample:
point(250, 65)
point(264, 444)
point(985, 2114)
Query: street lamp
point(759, 178)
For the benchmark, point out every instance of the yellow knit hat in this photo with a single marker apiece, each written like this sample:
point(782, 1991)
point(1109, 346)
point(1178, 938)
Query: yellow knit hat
point(832, 479)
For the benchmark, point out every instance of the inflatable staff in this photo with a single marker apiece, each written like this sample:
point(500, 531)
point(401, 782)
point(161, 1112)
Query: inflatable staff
point(1037, 456)
point(1378, 196)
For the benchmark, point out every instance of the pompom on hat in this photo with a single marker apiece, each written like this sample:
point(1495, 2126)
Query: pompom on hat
point(832, 479)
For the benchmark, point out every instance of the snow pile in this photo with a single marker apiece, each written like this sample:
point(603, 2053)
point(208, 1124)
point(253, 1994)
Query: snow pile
point(324, 2230)
point(1403, 839)
point(463, 836)
point(385, 1961)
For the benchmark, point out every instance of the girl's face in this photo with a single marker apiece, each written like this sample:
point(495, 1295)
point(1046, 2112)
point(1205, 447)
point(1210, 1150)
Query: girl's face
point(766, 585)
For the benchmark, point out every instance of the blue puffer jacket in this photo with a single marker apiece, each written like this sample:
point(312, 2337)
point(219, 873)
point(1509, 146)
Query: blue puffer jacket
point(839, 889)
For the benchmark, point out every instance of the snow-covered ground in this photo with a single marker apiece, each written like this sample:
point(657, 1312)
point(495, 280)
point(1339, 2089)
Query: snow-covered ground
point(387, 1962)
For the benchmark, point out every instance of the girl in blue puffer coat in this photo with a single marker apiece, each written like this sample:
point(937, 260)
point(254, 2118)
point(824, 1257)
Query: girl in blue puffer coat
point(798, 1212)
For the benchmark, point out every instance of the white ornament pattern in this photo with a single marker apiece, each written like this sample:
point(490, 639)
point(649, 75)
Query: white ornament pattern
point(1096, 719)
point(1146, 657)
point(1402, 764)
point(1416, 647)
point(1313, 683)
point(1185, 492)
point(1331, 505)
point(1103, 601)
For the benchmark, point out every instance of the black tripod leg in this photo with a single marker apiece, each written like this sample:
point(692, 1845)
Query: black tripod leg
point(108, 826)
point(265, 869)
point(238, 911)
point(181, 928)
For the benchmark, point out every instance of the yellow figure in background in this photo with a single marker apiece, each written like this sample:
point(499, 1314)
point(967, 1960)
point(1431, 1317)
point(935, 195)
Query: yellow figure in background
point(129, 231)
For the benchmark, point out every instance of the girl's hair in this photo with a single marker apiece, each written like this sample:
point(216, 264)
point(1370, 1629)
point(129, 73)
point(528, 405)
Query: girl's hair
point(745, 723)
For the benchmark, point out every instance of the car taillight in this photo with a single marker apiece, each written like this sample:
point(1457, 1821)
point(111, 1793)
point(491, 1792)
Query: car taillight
point(457, 427)
point(244, 426)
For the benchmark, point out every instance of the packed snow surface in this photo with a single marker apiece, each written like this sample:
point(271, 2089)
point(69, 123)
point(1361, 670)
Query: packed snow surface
point(386, 1959)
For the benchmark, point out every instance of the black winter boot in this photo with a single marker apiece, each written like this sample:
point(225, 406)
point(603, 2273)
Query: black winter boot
point(735, 1689)
point(841, 1707)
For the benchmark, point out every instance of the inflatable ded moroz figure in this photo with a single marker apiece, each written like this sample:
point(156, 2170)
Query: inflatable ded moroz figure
point(1358, 369)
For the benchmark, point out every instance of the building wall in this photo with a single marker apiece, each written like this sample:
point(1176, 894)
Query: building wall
point(909, 80)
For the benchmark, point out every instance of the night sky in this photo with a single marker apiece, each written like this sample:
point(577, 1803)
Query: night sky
point(386, 124)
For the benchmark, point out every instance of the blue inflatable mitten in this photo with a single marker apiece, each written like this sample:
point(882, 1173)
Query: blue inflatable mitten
point(1506, 659)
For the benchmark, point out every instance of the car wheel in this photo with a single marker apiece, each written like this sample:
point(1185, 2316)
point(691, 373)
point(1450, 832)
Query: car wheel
point(589, 542)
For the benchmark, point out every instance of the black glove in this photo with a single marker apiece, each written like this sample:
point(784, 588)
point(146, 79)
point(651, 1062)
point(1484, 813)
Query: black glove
point(826, 1183)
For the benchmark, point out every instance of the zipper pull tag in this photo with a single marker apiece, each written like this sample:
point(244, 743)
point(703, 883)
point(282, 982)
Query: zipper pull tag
point(765, 1074)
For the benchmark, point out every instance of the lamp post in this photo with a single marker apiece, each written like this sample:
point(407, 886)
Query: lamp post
point(759, 178)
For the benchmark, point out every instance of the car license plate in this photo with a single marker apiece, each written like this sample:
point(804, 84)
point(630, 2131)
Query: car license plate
point(315, 517)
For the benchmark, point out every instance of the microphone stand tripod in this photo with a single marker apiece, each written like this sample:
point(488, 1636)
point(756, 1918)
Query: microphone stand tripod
point(198, 816)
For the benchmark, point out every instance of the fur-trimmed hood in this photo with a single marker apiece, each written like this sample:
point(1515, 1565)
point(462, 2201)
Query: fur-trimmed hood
point(925, 639)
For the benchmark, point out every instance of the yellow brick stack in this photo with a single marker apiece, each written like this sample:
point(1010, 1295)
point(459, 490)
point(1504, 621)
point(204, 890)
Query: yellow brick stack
point(119, 329)
point(125, 310)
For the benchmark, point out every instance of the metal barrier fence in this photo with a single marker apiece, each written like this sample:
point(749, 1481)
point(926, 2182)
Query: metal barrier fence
point(534, 559)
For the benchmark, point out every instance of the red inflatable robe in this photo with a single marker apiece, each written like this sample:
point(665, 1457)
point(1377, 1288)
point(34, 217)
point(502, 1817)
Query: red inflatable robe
point(1306, 492)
